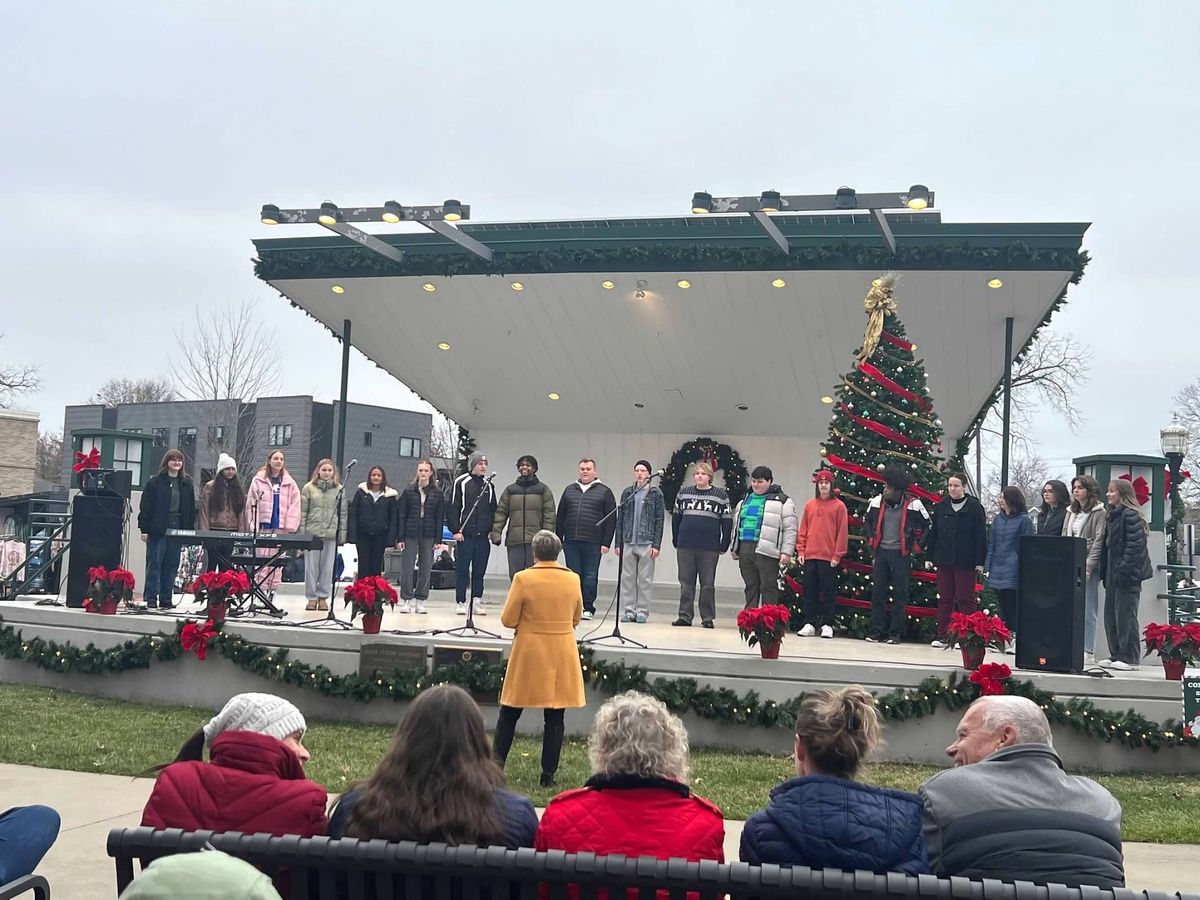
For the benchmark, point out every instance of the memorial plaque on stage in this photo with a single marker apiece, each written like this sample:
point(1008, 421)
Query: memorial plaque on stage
point(1191, 703)
point(459, 654)
point(389, 657)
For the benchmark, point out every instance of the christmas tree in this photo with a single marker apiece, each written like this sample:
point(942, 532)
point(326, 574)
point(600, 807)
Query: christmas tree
point(882, 416)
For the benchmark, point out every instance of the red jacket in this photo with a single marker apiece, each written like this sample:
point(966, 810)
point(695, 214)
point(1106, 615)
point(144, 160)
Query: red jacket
point(254, 783)
point(634, 816)
point(824, 532)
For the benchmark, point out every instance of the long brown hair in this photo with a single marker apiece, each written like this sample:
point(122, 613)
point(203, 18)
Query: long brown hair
point(437, 780)
point(1093, 493)
point(265, 471)
point(170, 455)
point(226, 494)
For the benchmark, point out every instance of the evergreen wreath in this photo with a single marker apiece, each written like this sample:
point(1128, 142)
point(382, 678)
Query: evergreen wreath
point(705, 449)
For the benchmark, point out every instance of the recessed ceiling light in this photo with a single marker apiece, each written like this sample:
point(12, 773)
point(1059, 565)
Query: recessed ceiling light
point(554, 395)
point(827, 399)
point(443, 346)
point(995, 283)
point(607, 285)
point(778, 282)
point(639, 406)
point(684, 283)
point(338, 289)
point(743, 407)
point(517, 286)
point(429, 286)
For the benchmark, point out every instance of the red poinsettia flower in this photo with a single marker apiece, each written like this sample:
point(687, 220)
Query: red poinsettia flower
point(97, 573)
point(194, 638)
point(763, 624)
point(991, 677)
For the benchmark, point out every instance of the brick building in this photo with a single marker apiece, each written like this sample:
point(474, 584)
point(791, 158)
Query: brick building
point(18, 451)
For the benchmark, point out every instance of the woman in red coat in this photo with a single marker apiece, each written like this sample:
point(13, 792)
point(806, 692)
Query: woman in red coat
point(637, 801)
point(254, 780)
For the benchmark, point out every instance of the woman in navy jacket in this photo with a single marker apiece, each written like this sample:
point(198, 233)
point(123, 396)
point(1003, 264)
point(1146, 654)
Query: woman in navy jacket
point(1004, 542)
point(823, 818)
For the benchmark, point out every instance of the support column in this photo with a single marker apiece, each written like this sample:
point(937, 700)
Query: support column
point(340, 450)
point(1006, 436)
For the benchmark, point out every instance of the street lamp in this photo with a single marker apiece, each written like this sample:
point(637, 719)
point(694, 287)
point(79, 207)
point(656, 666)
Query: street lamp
point(1174, 439)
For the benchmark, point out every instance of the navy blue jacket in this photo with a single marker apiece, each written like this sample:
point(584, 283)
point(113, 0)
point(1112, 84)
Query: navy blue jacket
point(1004, 540)
point(832, 823)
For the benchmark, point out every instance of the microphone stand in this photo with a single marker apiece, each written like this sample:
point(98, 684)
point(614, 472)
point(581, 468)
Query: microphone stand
point(616, 632)
point(469, 630)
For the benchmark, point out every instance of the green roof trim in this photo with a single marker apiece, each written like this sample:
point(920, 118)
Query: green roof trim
point(699, 243)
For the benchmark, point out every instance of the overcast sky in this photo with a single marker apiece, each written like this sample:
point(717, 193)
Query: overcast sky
point(140, 140)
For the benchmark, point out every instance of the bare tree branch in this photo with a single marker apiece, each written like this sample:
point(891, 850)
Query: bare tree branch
point(443, 442)
point(1027, 472)
point(49, 456)
point(116, 391)
point(1187, 408)
point(16, 379)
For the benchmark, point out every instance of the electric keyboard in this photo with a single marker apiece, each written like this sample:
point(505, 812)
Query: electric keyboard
point(214, 538)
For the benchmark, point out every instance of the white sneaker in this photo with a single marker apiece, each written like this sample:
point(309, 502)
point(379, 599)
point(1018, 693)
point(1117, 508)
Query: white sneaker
point(421, 608)
point(1106, 663)
point(826, 631)
point(460, 609)
point(587, 614)
point(938, 645)
point(404, 607)
point(480, 607)
point(1122, 666)
point(1089, 659)
point(808, 630)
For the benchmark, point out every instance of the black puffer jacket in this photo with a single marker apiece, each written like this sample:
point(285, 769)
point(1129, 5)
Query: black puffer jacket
point(1050, 521)
point(465, 515)
point(957, 540)
point(1125, 561)
point(414, 525)
point(370, 517)
point(580, 512)
point(156, 504)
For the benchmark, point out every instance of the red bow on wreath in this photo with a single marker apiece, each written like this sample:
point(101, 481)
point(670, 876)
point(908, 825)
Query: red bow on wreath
point(86, 460)
point(194, 638)
point(1141, 489)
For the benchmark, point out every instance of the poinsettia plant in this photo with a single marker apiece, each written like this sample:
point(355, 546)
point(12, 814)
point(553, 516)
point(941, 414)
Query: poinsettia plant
point(108, 586)
point(218, 587)
point(763, 624)
point(977, 631)
point(991, 677)
point(1173, 641)
point(194, 638)
point(367, 596)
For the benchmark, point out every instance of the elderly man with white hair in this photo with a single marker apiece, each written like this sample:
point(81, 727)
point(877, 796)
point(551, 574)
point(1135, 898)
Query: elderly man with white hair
point(1007, 810)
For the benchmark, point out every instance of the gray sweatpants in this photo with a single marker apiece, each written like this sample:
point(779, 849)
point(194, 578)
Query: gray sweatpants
point(414, 573)
point(701, 564)
point(637, 578)
point(318, 570)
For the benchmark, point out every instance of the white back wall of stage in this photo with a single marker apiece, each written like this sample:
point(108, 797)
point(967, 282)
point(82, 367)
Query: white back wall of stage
point(792, 460)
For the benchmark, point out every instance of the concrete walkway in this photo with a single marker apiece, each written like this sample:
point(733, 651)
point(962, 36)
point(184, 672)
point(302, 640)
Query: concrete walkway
point(79, 869)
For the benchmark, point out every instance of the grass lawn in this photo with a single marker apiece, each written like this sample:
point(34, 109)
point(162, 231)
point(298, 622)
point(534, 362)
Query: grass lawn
point(60, 730)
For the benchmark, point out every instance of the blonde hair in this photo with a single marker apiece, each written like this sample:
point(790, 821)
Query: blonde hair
point(432, 472)
point(839, 729)
point(703, 467)
point(317, 468)
point(636, 734)
point(1129, 499)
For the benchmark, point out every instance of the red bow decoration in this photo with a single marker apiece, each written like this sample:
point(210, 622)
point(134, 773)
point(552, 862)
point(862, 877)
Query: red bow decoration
point(1184, 475)
point(194, 638)
point(1141, 489)
point(991, 677)
point(86, 460)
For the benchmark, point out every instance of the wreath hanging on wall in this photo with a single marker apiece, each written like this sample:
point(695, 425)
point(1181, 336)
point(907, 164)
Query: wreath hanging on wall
point(721, 457)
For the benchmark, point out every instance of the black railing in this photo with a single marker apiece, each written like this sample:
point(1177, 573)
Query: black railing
point(320, 868)
point(15, 583)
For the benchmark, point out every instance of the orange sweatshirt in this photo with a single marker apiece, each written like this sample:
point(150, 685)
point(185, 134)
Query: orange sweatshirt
point(824, 531)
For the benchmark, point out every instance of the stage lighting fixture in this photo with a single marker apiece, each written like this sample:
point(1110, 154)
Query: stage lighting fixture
point(452, 211)
point(269, 214)
point(918, 197)
point(769, 201)
point(329, 214)
point(392, 212)
point(702, 203)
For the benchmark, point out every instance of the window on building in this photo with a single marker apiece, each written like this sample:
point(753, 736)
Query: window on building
point(367, 438)
point(216, 435)
point(161, 436)
point(127, 456)
point(410, 447)
point(279, 435)
point(132, 430)
point(187, 437)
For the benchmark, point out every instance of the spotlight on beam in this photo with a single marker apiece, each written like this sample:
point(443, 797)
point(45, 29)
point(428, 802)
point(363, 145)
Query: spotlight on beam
point(393, 212)
point(452, 211)
point(702, 203)
point(917, 198)
point(845, 198)
point(329, 215)
point(769, 201)
point(269, 214)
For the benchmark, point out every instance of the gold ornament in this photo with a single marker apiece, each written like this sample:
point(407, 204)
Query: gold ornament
point(878, 304)
point(824, 452)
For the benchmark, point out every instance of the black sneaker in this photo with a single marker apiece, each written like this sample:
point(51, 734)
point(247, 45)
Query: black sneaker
point(684, 622)
point(166, 605)
point(547, 780)
point(151, 604)
point(708, 623)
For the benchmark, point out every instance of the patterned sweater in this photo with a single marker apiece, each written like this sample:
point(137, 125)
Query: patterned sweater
point(702, 520)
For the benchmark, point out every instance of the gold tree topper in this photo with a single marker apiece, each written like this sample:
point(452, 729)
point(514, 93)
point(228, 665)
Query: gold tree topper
point(878, 304)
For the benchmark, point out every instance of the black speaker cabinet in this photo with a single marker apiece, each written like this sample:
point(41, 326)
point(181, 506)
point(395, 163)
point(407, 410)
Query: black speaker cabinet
point(106, 482)
point(97, 527)
point(1050, 603)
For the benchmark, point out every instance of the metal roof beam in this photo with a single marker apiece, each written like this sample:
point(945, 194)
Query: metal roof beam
point(465, 241)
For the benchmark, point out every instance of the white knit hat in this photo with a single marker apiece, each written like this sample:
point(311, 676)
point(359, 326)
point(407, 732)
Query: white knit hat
point(260, 713)
point(225, 461)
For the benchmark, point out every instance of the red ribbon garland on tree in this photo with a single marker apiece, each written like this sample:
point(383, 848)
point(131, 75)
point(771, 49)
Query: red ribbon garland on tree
point(897, 341)
point(923, 611)
point(897, 389)
point(863, 472)
point(883, 430)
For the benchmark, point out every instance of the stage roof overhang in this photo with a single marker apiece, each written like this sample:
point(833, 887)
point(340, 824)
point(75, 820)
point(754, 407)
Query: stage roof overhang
point(676, 360)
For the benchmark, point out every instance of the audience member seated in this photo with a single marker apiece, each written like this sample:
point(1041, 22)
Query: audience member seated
point(207, 875)
point(1007, 809)
point(255, 780)
point(437, 782)
point(26, 834)
point(637, 801)
point(823, 818)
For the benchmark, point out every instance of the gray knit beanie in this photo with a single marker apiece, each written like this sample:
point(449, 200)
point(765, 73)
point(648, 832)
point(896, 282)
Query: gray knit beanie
point(475, 459)
point(260, 713)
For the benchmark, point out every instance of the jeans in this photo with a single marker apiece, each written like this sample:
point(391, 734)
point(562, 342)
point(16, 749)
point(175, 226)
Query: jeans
point(637, 578)
point(370, 554)
point(416, 561)
point(956, 593)
point(583, 558)
point(520, 557)
point(695, 564)
point(26, 833)
point(1121, 621)
point(162, 565)
point(1091, 611)
point(820, 593)
point(760, 574)
point(889, 588)
point(552, 736)
point(470, 564)
point(318, 570)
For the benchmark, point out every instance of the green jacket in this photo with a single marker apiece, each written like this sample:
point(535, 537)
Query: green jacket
point(527, 506)
point(319, 511)
point(201, 876)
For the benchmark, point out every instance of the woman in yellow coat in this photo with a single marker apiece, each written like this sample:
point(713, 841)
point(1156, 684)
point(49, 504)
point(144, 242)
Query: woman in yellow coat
point(544, 605)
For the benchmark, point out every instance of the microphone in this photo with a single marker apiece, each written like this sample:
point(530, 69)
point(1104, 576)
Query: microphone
point(490, 478)
point(659, 474)
point(350, 465)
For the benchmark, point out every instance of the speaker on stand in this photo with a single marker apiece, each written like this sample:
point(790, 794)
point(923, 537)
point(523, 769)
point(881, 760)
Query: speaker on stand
point(97, 533)
point(1050, 596)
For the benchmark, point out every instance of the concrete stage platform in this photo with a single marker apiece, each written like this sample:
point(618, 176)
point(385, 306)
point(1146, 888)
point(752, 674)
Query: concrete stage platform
point(716, 657)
